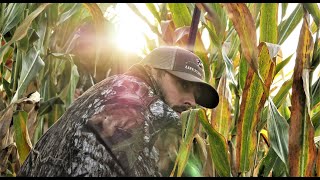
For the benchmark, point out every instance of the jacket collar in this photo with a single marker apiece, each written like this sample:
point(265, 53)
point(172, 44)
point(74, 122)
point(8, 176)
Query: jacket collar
point(139, 71)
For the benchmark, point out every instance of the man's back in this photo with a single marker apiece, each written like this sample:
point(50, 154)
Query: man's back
point(111, 130)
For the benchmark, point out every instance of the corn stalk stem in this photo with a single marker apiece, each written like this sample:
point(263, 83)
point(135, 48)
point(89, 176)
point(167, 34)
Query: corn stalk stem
point(194, 28)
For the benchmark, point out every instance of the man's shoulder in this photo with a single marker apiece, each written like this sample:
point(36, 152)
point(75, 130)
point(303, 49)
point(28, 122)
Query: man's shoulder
point(126, 87)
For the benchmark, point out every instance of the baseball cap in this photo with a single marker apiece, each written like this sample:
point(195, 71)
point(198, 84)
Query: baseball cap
point(185, 65)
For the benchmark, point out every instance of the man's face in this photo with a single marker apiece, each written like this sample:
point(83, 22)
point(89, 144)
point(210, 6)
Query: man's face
point(179, 94)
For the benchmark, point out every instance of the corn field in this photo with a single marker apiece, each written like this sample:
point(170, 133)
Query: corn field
point(266, 123)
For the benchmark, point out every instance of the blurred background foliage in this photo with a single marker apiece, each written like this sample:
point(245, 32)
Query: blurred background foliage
point(267, 121)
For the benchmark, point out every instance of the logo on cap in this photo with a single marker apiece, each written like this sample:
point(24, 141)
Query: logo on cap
point(191, 66)
point(200, 63)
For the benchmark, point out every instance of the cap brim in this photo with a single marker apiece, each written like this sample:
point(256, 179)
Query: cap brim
point(208, 98)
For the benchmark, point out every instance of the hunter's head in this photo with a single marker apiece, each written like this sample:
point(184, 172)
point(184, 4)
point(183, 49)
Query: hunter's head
point(180, 77)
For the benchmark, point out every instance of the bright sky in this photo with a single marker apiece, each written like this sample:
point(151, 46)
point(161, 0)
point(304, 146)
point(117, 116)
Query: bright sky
point(131, 30)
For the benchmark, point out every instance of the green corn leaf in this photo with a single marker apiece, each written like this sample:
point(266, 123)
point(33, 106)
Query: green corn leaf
point(21, 134)
point(315, 92)
point(47, 106)
point(13, 12)
point(72, 75)
point(180, 14)
point(189, 127)
point(316, 53)
point(6, 86)
point(282, 93)
point(268, 23)
point(279, 169)
point(278, 133)
point(66, 15)
point(234, 46)
point(315, 120)
point(213, 36)
point(282, 64)
point(31, 65)
point(222, 15)
point(271, 162)
point(313, 9)
point(22, 29)
point(284, 7)
point(229, 66)
point(267, 163)
point(217, 17)
point(218, 146)
point(287, 26)
point(154, 11)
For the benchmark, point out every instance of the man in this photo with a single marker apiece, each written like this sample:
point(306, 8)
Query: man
point(126, 125)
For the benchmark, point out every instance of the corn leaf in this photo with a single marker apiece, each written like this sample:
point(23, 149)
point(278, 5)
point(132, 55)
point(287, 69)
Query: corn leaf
point(180, 14)
point(154, 11)
point(282, 64)
point(284, 7)
point(282, 93)
point(5, 121)
point(216, 16)
point(301, 132)
point(13, 14)
point(229, 65)
point(267, 163)
point(181, 35)
point(138, 13)
point(315, 92)
point(21, 134)
point(234, 46)
point(244, 25)
point(31, 65)
point(189, 126)
point(168, 31)
point(47, 106)
point(287, 26)
point(243, 71)
point(253, 99)
point(22, 29)
point(278, 133)
point(221, 115)
point(268, 23)
point(66, 15)
point(255, 9)
point(72, 75)
point(218, 146)
point(313, 9)
point(213, 35)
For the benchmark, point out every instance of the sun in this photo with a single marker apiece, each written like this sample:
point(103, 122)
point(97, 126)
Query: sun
point(130, 29)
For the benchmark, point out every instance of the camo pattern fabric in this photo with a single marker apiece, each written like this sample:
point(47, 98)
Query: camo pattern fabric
point(119, 127)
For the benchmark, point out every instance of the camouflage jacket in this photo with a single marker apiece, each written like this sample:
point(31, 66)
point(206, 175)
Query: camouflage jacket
point(118, 127)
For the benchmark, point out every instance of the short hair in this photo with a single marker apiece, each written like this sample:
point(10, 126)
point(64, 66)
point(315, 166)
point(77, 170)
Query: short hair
point(160, 72)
